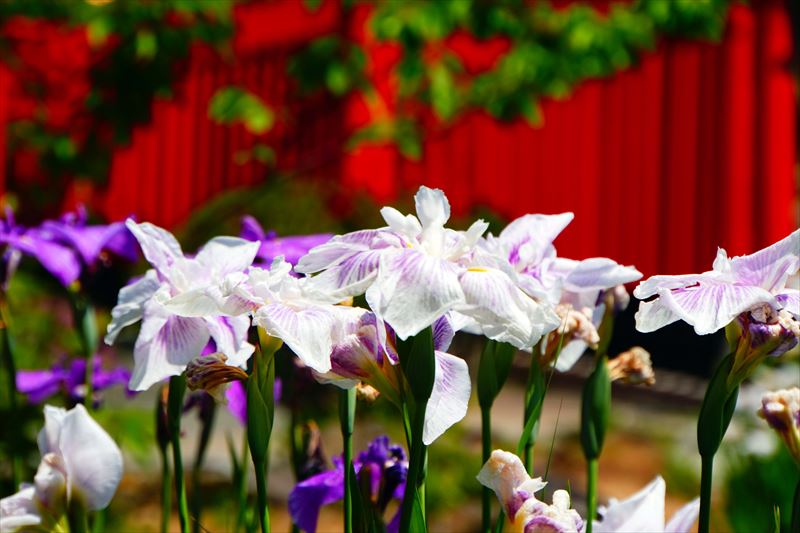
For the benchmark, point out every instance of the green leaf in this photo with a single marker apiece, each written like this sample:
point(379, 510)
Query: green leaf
point(146, 44)
point(418, 363)
point(231, 105)
point(717, 409)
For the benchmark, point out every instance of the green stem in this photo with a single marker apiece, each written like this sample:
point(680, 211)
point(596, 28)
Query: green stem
point(197, 469)
point(415, 472)
point(166, 491)
point(261, 489)
point(87, 332)
point(706, 472)
point(796, 509)
point(591, 492)
point(242, 485)
point(486, 451)
point(177, 388)
point(347, 415)
point(77, 518)
point(7, 348)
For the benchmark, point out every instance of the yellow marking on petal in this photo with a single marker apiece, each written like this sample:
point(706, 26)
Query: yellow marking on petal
point(477, 269)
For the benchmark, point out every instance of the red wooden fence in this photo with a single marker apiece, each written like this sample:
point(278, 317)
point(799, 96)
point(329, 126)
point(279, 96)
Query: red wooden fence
point(692, 148)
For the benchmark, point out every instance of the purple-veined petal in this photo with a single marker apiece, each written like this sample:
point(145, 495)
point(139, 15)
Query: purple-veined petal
point(336, 250)
point(653, 284)
point(502, 310)
point(683, 520)
point(93, 460)
point(443, 333)
point(230, 337)
point(351, 277)
point(310, 495)
point(599, 273)
point(159, 246)
point(504, 473)
point(166, 344)
point(529, 239)
point(226, 255)
point(713, 305)
point(412, 290)
point(769, 268)
point(130, 304)
point(449, 398)
point(789, 299)
point(307, 331)
point(644, 511)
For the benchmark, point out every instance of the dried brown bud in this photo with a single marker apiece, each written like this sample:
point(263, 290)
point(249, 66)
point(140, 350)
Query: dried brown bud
point(366, 393)
point(575, 325)
point(210, 373)
point(633, 367)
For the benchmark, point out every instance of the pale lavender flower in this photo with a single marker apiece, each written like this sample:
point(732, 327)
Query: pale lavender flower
point(749, 294)
point(167, 342)
point(415, 270)
point(712, 300)
point(505, 474)
point(291, 248)
point(364, 352)
point(382, 468)
point(586, 286)
point(644, 511)
point(69, 379)
point(781, 410)
point(80, 462)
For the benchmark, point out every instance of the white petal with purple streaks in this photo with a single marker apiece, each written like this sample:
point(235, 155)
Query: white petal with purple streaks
point(448, 402)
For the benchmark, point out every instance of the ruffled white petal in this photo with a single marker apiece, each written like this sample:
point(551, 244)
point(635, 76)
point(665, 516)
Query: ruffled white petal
point(350, 277)
point(225, 255)
point(504, 473)
point(653, 284)
point(502, 310)
point(713, 305)
point(599, 273)
point(644, 511)
point(158, 245)
point(683, 520)
point(92, 459)
point(449, 398)
point(529, 239)
point(653, 316)
point(130, 304)
point(769, 268)
point(19, 510)
point(406, 225)
point(412, 290)
point(433, 208)
point(230, 336)
point(307, 331)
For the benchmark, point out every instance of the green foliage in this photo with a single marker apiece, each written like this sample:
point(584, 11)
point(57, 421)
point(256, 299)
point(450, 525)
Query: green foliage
point(756, 486)
point(549, 52)
point(231, 105)
point(595, 409)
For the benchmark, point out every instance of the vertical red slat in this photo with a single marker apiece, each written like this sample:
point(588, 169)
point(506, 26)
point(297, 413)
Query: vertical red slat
point(652, 156)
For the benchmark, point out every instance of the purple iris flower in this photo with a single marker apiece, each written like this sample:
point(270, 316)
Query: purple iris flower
point(386, 468)
point(64, 246)
point(68, 378)
point(272, 246)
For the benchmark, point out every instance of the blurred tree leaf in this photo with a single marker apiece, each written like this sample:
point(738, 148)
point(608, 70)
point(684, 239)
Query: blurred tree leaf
point(231, 105)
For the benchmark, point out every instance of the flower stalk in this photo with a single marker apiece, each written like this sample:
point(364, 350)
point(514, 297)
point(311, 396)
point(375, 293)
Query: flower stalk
point(418, 363)
point(595, 409)
point(347, 415)
point(162, 439)
point(260, 416)
point(177, 389)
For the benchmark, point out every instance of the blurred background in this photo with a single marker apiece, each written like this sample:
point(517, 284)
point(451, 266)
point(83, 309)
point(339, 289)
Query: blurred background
point(667, 127)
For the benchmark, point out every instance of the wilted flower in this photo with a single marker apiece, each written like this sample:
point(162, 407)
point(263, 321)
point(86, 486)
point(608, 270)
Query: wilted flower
point(291, 248)
point(211, 373)
point(167, 342)
point(69, 379)
point(505, 474)
point(781, 410)
point(592, 286)
point(749, 293)
point(633, 367)
point(381, 470)
point(415, 270)
point(79, 462)
point(644, 511)
point(365, 353)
